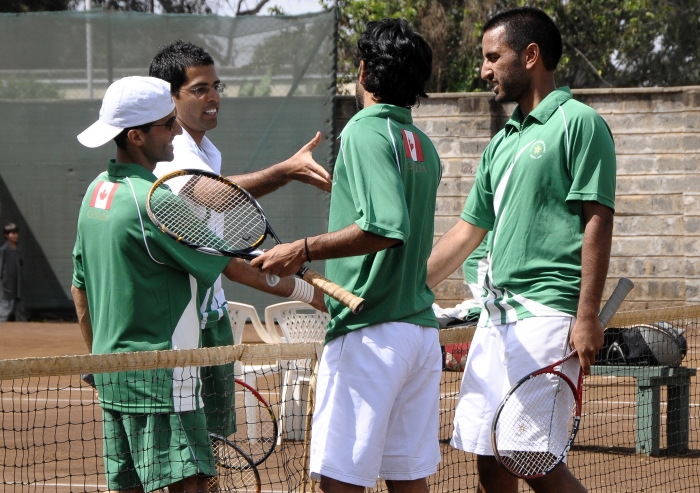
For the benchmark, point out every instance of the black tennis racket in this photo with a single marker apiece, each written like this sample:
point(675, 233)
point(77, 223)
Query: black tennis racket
point(537, 421)
point(214, 215)
point(235, 471)
point(257, 434)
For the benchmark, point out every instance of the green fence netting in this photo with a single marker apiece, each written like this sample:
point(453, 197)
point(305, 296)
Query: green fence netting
point(54, 69)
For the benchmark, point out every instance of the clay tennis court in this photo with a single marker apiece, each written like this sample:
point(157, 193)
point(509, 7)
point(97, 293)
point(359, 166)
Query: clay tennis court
point(58, 440)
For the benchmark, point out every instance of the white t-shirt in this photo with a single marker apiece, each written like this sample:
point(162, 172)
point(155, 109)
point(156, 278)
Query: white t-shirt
point(188, 155)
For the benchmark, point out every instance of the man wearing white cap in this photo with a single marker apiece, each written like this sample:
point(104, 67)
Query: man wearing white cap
point(135, 290)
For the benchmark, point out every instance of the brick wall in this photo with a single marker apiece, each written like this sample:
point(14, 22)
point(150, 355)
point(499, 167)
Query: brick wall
point(656, 238)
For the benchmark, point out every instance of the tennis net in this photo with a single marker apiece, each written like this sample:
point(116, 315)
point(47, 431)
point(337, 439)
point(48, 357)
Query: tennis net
point(640, 429)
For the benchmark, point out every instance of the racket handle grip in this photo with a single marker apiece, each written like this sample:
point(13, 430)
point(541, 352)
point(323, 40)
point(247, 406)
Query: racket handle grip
point(355, 303)
point(624, 286)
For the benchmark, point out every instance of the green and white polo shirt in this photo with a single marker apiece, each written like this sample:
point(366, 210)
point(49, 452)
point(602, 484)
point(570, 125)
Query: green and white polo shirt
point(385, 181)
point(475, 269)
point(205, 156)
point(530, 185)
point(142, 291)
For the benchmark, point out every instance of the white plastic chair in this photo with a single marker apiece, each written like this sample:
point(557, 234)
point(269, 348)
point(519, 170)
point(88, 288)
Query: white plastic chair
point(239, 313)
point(299, 322)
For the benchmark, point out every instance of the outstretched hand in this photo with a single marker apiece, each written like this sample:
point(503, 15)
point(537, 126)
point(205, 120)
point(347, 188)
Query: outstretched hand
point(302, 167)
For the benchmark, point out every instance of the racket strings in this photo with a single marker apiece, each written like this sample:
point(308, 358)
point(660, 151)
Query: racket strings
point(207, 212)
point(535, 424)
point(184, 218)
point(235, 472)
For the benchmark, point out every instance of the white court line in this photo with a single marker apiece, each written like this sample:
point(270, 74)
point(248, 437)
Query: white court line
point(585, 404)
point(38, 391)
point(443, 396)
point(63, 389)
point(45, 399)
point(630, 417)
point(102, 487)
point(261, 392)
point(629, 403)
point(451, 396)
point(628, 414)
point(46, 483)
point(33, 398)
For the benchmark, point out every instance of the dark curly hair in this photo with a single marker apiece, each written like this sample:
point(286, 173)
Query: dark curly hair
point(527, 25)
point(172, 61)
point(398, 62)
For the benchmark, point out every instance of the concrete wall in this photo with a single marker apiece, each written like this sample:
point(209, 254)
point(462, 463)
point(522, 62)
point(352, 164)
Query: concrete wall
point(656, 239)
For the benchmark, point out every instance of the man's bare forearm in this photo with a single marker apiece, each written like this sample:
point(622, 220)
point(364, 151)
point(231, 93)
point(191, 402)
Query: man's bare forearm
point(587, 333)
point(240, 271)
point(595, 257)
point(286, 259)
point(263, 182)
point(452, 250)
point(83, 311)
point(347, 242)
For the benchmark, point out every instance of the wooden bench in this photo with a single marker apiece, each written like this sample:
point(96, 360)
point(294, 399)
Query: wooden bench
point(650, 379)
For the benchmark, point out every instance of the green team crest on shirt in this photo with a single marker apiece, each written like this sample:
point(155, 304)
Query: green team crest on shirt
point(537, 149)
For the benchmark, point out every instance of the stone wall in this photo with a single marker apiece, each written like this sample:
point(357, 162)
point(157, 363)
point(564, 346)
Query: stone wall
point(656, 238)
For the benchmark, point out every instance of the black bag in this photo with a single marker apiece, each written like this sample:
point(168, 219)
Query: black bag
point(658, 344)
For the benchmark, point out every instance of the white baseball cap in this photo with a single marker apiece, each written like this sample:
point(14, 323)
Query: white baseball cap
point(129, 102)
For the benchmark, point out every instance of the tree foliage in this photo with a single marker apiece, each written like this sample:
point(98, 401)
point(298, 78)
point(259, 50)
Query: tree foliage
point(606, 42)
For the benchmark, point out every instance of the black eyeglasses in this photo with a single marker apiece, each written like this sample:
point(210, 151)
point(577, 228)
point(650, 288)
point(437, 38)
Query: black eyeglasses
point(169, 124)
point(201, 91)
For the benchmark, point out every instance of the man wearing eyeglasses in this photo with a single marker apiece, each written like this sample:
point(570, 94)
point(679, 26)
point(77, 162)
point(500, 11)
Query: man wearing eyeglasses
point(196, 90)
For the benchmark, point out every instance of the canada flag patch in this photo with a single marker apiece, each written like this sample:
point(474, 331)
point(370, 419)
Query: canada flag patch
point(412, 145)
point(102, 195)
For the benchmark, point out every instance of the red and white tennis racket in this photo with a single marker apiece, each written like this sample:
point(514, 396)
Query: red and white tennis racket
point(256, 432)
point(538, 419)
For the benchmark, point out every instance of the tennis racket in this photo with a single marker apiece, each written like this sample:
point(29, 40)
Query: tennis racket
point(257, 435)
point(214, 215)
point(537, 421)
point(235, 471)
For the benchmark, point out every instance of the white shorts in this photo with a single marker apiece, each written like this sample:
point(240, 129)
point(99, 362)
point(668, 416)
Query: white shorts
point(377, 401)
point(498, 357)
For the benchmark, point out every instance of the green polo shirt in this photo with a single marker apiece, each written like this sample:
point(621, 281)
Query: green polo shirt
point(385, 180)
point(475, 269)
point(142, 291)
point(529, 191)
